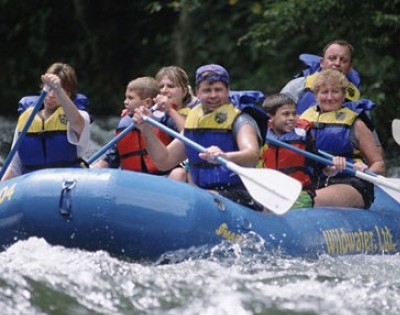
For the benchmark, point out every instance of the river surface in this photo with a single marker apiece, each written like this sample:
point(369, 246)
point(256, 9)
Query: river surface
point(37, 278)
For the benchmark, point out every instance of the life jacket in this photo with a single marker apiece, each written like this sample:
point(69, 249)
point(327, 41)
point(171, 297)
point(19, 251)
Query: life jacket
point(306, 98)
point(363, 108)
point(80, 100)
point(313, 65)
point(211, 129)
point(132, 148)
point(285, 160)
point(191, 102)
point(45, 144)
point(248, 101)
point(332, 131)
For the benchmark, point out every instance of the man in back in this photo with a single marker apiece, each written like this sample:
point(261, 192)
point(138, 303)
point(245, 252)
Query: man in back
point(337, 55)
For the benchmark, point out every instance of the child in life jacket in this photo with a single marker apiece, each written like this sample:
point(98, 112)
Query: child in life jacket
point(130, 152)
point(284, 127)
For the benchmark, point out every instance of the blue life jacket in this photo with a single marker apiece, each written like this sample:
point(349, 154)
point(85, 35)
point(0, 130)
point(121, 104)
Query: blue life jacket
point(363, 108)
point(80, 100)
point(45, 144)
point(34, 151)
point(307, 98)
point(313, 65)
point(249, 102)
point(211, 129)
point(332, 131)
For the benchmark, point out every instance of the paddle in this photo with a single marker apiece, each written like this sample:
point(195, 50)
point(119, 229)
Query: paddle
point(390, 185)
point(274, 190)
point(24, 130)
point(108, 145)
point(396, 130)
point(348, 164)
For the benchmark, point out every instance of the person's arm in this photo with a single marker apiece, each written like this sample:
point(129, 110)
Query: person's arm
point(165, 158)
point(247, 141)
point(111, 159)
point(100, 164)
point(248, 145)
point(165, 106)
point(177, 118)
point(339, 164)
point(8, 174)
point(82, 141)
point(74, 118)
point(368, 148)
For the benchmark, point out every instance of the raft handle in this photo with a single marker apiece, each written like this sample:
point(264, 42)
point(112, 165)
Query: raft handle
point(65, 204)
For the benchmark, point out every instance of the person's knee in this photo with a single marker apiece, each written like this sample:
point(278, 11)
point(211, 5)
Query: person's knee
point(178, 174)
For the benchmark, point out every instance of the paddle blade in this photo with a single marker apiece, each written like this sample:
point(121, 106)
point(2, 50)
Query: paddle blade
point(274, 190)
point(396, 130)
point(391, 186)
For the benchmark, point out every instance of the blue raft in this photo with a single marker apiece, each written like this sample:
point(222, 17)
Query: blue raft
point(138, 216)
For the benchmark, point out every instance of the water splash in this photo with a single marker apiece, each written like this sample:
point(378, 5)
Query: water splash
point(37, 278)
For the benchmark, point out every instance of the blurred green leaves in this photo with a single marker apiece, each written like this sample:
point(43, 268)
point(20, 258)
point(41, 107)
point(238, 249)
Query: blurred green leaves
point(111, 42)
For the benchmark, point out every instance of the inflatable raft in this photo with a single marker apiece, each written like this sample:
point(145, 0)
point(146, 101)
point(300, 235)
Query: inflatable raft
point(138, 216)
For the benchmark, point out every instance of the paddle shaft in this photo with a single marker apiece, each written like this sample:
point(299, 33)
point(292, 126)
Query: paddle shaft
point(21, 135)
point(347, 162)
point(377, 180)
point(230, 165)
point(113, 141)
point(272, 189)
point(307, 154)
point(109, 144)
point(182, 138)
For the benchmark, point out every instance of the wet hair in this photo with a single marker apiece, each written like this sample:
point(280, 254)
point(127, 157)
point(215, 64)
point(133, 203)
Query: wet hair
point(178, 77)
point(67, 75)
point(330, 76)
point(275, 101)
point(340, 42)
point(145, 87)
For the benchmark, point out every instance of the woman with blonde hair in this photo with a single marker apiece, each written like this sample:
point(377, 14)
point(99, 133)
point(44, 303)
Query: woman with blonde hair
point(176, 100)
point(338, 130)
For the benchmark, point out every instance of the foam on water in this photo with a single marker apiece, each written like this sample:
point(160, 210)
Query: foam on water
point(36, 278)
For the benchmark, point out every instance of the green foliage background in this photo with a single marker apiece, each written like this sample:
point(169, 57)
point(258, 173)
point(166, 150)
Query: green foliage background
point(112, 42)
